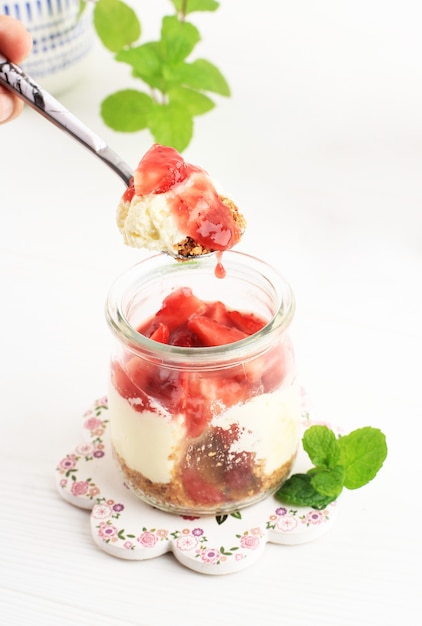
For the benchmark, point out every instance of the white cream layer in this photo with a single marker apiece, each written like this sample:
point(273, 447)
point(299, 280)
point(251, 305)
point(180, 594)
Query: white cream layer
point(145, 440)
point(148, 441)
point(268, 425)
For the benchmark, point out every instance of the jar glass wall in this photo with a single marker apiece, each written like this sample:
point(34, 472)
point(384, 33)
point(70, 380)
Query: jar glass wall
point(203, 430)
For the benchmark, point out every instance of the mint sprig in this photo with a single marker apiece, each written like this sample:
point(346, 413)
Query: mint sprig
point(349, 461)
point(177, 87)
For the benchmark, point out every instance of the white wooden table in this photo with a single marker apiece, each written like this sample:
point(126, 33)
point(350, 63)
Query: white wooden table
point(323, 136)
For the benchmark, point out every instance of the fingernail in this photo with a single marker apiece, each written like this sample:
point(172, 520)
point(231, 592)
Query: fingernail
point(6, 107)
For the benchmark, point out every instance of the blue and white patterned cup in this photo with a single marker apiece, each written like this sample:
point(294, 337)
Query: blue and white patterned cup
point(62, 39)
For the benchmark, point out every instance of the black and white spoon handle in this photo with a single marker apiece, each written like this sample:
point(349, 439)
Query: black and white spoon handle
point(16, 80)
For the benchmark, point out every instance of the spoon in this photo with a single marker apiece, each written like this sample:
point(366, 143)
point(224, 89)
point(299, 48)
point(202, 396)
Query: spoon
point(16, 80)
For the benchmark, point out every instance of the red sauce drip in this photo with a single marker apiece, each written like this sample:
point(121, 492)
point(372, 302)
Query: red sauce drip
point(220, 270)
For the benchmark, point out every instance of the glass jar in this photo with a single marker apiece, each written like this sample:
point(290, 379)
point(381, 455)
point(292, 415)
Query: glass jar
point(203, 430)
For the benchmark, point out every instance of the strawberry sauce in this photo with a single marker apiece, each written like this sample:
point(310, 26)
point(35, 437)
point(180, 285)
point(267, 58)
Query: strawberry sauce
point(194, 203)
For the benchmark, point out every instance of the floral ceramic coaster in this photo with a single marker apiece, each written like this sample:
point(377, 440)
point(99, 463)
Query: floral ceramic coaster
point(127, 528)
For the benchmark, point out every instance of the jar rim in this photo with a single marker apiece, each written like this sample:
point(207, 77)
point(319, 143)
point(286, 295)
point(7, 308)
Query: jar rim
point(238, 350)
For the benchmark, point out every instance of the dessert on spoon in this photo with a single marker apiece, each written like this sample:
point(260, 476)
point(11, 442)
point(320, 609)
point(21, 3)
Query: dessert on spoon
point(173, 206)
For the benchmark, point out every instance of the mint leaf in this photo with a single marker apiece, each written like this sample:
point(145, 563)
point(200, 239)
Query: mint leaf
point(350, 461)
point(321, 445)
point(362, 453)
point(127, 110)
point(298, 490)
point(178, 39)
point(196, 103)
point(116, 24)
point(190, 6)
point(199, 74)
point(177, 88)
point(171, 125)
point(146, 62)
point(328, 482)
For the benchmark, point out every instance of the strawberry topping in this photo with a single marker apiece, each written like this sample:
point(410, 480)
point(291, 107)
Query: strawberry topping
point(196, 207)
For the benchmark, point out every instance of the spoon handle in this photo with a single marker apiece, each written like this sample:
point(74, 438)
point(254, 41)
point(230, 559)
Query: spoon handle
point(14, 78)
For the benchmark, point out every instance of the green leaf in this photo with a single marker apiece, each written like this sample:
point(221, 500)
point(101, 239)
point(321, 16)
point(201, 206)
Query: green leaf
point(82, 7)
point(195, 5)
point(178, 39)
point(127, 110)
point(199, 74)
point(299, 491)
point(321, 445)
point(196, 103)
point(171, 125)
point(362, 453)
point(116, 24)
point(147, 63)
point(328, 482)
point(178, 88)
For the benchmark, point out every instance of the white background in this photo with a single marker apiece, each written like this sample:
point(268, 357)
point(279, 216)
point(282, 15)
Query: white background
point(321, 147)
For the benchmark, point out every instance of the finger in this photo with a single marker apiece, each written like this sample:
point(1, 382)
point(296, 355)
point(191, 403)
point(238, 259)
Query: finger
point(10, 106)
point(15, 40)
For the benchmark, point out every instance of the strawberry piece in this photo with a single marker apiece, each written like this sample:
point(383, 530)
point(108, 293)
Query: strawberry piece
point(239, 476)
point(197, 412)
point(178, 307)
point(128, 389)
point(197, 416)
point(206, 395)
point(129, 193)
point(159, 170)
point(210, 460)
point(184, 337)
point(199, 490)
point(122, 382)
point(155, 381)
point(212, 333)
point(139, 372)
point(217, 311)
point(161, 333)
point(249, 323)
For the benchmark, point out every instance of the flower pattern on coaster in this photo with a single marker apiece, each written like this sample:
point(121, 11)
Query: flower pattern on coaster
point(127, 528)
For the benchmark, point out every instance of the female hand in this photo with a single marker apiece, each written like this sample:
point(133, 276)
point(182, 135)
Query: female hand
point(15, 44)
